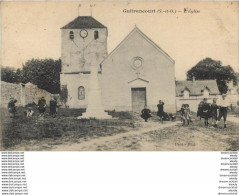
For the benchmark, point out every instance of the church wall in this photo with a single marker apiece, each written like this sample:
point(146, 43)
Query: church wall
point(72, 55)
point(73, 82)
point(157, 69)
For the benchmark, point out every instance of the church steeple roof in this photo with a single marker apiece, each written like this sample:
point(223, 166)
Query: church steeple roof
point(83, 22)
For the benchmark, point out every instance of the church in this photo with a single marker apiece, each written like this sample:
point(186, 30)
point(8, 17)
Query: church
point(136, 73)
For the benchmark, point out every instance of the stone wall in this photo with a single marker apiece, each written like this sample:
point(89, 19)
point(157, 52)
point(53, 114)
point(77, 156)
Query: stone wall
point(9, 90)
point(23, 93)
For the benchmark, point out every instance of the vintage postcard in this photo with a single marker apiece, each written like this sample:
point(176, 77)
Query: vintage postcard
point(119, 76)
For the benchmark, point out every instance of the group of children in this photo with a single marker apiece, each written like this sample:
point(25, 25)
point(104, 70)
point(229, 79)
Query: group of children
point(215, 111)
point(41, 106)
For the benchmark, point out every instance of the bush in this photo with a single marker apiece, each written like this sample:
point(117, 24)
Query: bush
point(120, 115)
point(33, 104)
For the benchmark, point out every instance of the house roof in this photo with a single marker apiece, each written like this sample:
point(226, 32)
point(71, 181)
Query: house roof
point(136, 29)
point(197, 87)
point(83, 22)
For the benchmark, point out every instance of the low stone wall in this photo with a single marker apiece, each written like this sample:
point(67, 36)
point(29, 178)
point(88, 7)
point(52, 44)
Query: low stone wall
point(9, 90)
point(23, 93)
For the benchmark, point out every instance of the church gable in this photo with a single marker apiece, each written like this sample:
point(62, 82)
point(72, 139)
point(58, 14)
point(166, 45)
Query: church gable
point(140, 41)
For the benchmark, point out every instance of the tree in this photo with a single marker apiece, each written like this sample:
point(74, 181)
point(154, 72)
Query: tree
point(18, 76)
point(9, 75)
point(45, 73)
point(212, 69)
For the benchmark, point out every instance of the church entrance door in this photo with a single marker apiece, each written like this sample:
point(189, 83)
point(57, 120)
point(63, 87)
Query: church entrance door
point(138, 98)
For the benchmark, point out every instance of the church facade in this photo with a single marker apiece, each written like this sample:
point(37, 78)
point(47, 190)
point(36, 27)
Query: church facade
point(136, 73)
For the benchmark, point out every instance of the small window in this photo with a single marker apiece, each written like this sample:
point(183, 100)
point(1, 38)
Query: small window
point(71, 35)
point(96, 34)
point(81, 93)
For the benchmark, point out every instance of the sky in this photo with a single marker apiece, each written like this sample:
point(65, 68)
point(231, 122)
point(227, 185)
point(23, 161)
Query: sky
point(32, 29)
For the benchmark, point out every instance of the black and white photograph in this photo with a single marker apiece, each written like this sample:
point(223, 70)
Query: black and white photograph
point(119, 76)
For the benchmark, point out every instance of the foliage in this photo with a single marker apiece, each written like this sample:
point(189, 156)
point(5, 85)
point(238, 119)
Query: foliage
point(63, 94)
point(120, 115)
point(10, 75)
point(212, 69)
point(45, 73)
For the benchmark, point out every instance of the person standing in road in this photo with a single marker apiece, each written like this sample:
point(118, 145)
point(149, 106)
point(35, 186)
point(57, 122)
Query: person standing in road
point(160, 112)
point(205, 111)
point(223, 104)
point(214, 112)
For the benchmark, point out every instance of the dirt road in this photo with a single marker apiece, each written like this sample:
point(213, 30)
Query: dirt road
point(96, 144)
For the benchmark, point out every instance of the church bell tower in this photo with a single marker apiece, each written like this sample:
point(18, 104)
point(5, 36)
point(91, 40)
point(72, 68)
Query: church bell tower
point(83, 38)
point(83, 44)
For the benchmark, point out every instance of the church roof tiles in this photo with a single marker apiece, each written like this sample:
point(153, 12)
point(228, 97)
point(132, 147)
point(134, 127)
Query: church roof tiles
point(83, 22)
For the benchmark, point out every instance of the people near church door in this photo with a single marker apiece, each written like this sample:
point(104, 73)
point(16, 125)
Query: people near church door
point(205, 111)
point(223, 107)
point(146, 113)
point(160, 112)
point(42, 106)
point(199, 111)
point(12, 109)
point(214, 111)
point(53, 107)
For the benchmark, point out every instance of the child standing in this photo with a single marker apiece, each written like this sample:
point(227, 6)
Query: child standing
point(205, 111)
point(12, 107)
point(185, 114)
point(214, 112)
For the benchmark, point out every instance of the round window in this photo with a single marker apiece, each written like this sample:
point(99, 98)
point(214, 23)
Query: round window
point(137, 62)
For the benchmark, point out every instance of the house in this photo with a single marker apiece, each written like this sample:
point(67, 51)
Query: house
point(193, 92)
point(136, 73)
point(233, 94)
